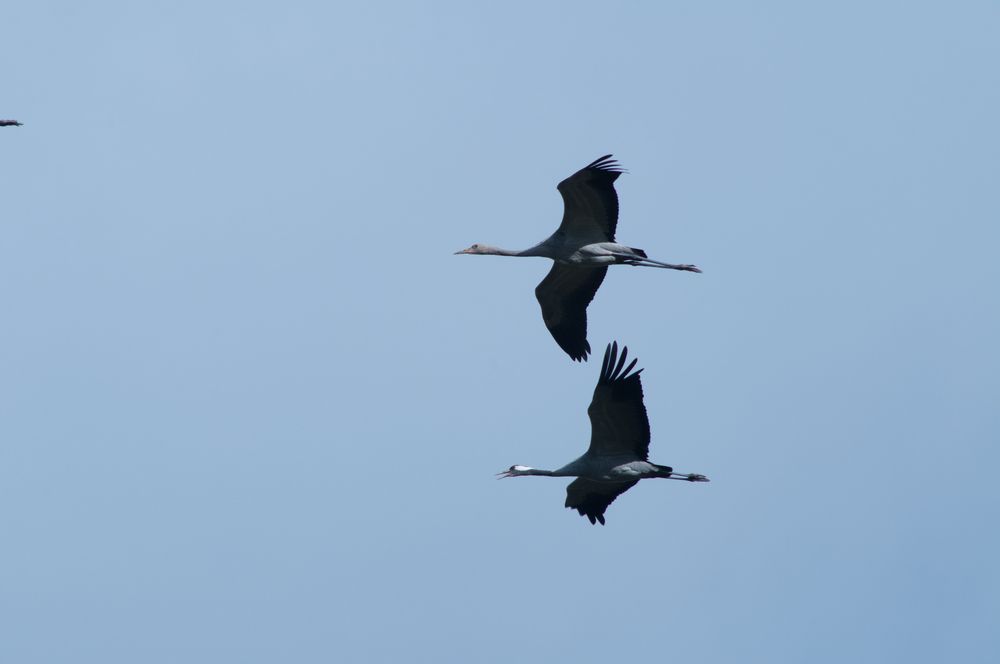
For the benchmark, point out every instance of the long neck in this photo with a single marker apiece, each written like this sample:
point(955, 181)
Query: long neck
point(565, 471)
point(497, 251)
point(537, 250)
point(539, 471)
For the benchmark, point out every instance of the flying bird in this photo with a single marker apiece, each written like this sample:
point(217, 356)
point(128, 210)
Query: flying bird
point(582, 247)
point(10, 123)
point(618, 456)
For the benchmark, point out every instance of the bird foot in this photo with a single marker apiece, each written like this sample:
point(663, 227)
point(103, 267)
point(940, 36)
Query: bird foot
point(695, 477)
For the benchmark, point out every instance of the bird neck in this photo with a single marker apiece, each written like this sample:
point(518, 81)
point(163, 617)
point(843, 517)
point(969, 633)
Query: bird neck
point(537, 250)
point(576, 468)
point(497, 251)
point(539, 472)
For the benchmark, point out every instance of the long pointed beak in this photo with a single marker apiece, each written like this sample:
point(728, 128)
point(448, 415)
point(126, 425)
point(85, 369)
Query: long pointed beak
point(463, 251)
point(503, 474)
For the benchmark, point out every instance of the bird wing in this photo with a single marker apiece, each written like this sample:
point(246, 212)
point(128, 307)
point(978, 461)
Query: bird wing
point(618, 421)
point(564, 295)
point(591, 203)
point(591, 498)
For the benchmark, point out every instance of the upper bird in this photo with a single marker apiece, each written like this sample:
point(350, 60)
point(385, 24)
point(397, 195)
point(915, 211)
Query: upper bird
point(582, 247)
point(618, 456)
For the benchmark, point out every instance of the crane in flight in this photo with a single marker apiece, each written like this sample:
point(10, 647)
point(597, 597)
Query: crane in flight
point(618, 456)
point(582, 247)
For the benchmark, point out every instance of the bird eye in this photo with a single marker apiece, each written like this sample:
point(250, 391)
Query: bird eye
point(512, 467)
point(475, 246)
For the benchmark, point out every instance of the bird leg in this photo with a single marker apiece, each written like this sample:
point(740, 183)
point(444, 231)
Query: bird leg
point(645, 262)
point(639, 261)
point(688, 477)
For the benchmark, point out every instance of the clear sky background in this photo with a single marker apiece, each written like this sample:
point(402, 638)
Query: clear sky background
point(251, 405)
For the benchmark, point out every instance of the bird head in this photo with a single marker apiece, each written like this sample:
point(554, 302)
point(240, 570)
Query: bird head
point(514, 471)
point(475, 249)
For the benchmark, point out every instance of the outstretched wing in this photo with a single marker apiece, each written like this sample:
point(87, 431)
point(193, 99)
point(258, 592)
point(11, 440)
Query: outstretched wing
point(618, 421)
point(591, 203)
point(591, 498)
point(564, 295)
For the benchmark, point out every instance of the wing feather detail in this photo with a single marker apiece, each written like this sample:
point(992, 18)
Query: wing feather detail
point(590, 201)
point(618, 419)
point(564, 295)
point(591, 498)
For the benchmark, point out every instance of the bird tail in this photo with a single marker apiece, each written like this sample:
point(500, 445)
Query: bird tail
point(639, 252)
point(664, 470)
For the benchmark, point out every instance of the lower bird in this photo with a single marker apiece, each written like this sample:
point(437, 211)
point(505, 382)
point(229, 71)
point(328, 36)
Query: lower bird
point(618, 456)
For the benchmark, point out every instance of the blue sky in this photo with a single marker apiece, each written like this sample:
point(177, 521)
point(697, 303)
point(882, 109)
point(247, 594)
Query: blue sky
point(251, 405)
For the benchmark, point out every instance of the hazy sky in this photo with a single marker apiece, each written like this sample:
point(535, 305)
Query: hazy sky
point(251, 405)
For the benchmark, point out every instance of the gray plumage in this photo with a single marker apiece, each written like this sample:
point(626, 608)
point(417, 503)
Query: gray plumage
point(582, 247)
point(618, 456)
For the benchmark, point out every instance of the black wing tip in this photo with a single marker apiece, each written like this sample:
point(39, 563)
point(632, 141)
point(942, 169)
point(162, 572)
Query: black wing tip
point(594, 516)
point(613, 368)
point(606, 164)
point(569, 343)
point(579, 355)
point(594, 502)
point(568, 339)
point(11, 123)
